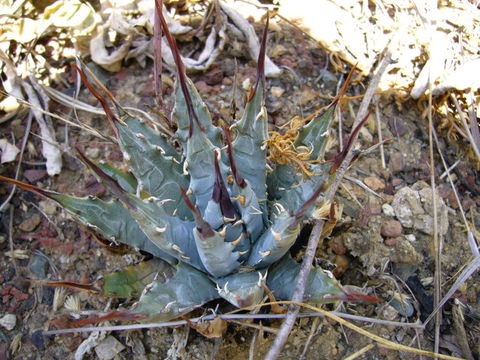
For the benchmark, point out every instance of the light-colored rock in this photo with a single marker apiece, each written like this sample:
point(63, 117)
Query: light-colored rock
point(277, 91)
point(374, 183)
point(388, 210)
point(8, 321)
point(413, 208)
point(109, 348)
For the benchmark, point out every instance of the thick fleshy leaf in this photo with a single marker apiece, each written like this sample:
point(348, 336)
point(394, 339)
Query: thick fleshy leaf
point(293, 197)
point(219, 257)
point(131, 281)
point(168, 298)
point(127, 181)
point(159, 175)
point(314, 135)
point(171, 234)
point(180, 113)
point(321, 285)
point(275, 241)
point(249, 149)
point(112, 220)
point(153, 136)
point(200, 166)
point(242, 289)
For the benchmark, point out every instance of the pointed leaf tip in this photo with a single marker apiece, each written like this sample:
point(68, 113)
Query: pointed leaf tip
point(341, 156)
point(112, 118)
point(236, 175)
point(32, 188)
point(203, 227)
point(111, 182)
point(220, 193)
point(262, 52)
point(182, 77)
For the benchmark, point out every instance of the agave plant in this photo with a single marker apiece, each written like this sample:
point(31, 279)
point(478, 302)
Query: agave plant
point(216, 214)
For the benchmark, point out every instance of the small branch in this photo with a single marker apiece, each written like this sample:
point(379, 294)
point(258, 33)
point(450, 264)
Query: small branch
point(287, 325)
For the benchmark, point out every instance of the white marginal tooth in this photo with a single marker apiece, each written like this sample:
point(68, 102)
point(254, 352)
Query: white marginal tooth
point(225, 288)
point(264, 253)
point(277, 236)
point(185, 166)
point(159, 229)
point(236, 242)
point(261, 279)
point(239, 222)
point(189, 191)
point(161, 202)
point(218, 289)
point(255, 211)
point(279, 207)
point(227, 220)
point(177, 249)
point(126, 156)
point(223, 232)
point(175, 212)
point(186, 258)
point(140, 136)
point(175, 160)
point(168, 307)
point(159, 148)
point(219, 155)
point(243, 252)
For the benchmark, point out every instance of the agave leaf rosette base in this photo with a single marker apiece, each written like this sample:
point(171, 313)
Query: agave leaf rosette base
point(218, 224)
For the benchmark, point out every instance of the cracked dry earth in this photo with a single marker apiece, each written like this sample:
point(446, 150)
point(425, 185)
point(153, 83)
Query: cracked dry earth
point(383, 241)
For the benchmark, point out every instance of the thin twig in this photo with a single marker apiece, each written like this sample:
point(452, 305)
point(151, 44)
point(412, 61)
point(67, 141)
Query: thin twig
point(360, 352)
point(225, 317)
point(465, 125)
point(380, 135)
point(313, 330)
point(287, 325)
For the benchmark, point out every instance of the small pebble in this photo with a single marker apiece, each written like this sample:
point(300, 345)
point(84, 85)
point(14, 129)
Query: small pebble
point(31, 223)
point(388, 210)
point(411, 237)
point(396, 162)
point(390, 242)
point(277, 91)
point(337, 246)
point(391, 228)
point(246, 84)
point(227, 81)
point(92, 153)
point(202, 86)
point(396, 182)
point(8, 321)
point(48, 207)
point(374, 183)
point(342, 262)
point(34, 175)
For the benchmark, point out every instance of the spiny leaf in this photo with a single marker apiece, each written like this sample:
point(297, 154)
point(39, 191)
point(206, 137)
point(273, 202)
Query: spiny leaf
point(132, 280)
point(321, 286)
point(169, 298)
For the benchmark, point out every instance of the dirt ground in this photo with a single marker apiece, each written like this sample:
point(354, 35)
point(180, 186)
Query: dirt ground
point(383, 243)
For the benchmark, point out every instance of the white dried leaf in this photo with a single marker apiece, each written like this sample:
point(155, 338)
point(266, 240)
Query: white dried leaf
point(9, 151)
point(74, 14)
point(50, 147)
point(111, 62)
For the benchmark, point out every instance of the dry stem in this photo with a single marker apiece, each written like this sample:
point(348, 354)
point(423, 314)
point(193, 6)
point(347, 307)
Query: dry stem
point(308, 258)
